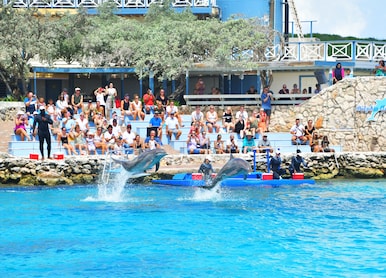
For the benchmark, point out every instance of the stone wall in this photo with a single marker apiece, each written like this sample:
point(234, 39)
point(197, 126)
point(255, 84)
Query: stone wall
point(86, 169)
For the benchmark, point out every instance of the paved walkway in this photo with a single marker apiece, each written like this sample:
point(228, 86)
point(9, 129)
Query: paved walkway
point(6, 130)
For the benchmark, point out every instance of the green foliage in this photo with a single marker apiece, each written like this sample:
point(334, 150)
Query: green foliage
point(9, 98)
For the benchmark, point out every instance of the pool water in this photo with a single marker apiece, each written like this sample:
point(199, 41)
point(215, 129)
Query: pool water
point(330, 229)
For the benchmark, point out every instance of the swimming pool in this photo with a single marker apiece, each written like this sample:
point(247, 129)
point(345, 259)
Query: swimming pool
point(330, 229)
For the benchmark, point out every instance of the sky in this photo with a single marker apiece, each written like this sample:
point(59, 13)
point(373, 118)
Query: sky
point(358, 18)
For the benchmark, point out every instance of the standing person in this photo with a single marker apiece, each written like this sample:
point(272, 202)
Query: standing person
point(337, 73)
point(77, 101)
point(206, 168)
point(30, 103)
point(42, 120)
point(100, 98)
point(111, 93)
point(266, 98)
point(296, 161)
point(275, 166)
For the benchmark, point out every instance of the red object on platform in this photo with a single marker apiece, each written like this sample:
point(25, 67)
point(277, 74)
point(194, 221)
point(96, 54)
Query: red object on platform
point(196, 176)
point(267, 176)
point(58, 156)
point(34, 156)
point(298, 176)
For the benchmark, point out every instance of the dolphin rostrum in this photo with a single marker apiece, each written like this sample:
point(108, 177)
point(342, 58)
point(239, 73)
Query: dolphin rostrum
point(144, 161)
point(234, 167)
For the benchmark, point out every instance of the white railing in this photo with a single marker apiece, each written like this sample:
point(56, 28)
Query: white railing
point(96, 3)
point(244, 99)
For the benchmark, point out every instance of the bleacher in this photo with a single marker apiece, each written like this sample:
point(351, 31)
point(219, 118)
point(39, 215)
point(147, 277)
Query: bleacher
point(281, 140)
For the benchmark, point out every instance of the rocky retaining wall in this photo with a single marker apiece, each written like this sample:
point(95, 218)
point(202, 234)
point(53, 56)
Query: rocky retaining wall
point(86, 170)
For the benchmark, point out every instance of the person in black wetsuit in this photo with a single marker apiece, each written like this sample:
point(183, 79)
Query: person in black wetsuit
point(206, 168)
point(296, 161)
point(275, 166)
point(42, 121)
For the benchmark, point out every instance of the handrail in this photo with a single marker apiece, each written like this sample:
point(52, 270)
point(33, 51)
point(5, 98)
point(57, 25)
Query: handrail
point(244, 99)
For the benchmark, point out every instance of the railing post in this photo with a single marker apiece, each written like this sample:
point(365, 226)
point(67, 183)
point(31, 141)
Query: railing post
point(187, 83)
point(353, 50)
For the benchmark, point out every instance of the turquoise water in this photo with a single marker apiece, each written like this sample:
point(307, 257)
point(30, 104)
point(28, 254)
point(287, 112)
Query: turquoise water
point(330, 229)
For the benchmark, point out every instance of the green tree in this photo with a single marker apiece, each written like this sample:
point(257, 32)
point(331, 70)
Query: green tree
point(23, 35)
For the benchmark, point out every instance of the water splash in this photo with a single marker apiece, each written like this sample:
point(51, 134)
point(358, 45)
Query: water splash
point(214, 194)
point(113, 191)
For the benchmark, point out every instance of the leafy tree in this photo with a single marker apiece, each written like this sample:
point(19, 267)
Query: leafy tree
point(23, 34)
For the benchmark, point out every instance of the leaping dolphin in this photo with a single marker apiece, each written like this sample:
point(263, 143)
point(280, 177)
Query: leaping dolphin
point(144, 161)
point(234, 167)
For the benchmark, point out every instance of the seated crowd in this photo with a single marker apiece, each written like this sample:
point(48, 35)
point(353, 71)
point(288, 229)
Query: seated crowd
point(97, 128)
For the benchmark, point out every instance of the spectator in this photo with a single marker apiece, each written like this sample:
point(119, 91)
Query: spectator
point(111, 93)
point(253, 123)
point(284, 90)
point(138, 144)
point(296, 161)
point(30, 103)
point(326, 145)
point(337, 73)
point(136, 107)
point(262, 121)
point(275, 166)
point(116, 129)
point(348, 74)
point(77, 101)
point(152, 141)
point(314, 143)
point(109, 137)
point(161, 110)
point(266, 98)
point(126, 111)
point(380, 69)
point(204, 141)
point(171, 108)
point(193, 144)
point(240, 127)
point(162, 98)
point(172, 127)
point(242, 113)
point(100, 97)
point(211, 120)
point(198, 117)
point(99, 140)
point(317, 89)
point(51, 108)
point(219, 145)
point(252, 90)
point(89, 111)
point(264, 145)
point(21, 121)
point(309, 130)
point(79, 141)
point(128, 137)
point(231, 145)
point(297, 131)
point(248, 143)
point(295, 89)
point(199, 88)
point(227, 120)
point(82, 122)
point(156, 122)
point(149, 100)
point(91, 147)
point(63, 137)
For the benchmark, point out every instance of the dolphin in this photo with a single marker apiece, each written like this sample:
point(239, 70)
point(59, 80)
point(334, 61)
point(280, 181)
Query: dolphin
point(380, 105)
point(144, 161)
point(234, 167)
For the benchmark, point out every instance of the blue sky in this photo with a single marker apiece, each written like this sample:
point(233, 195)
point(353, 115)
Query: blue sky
point(359, 18)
